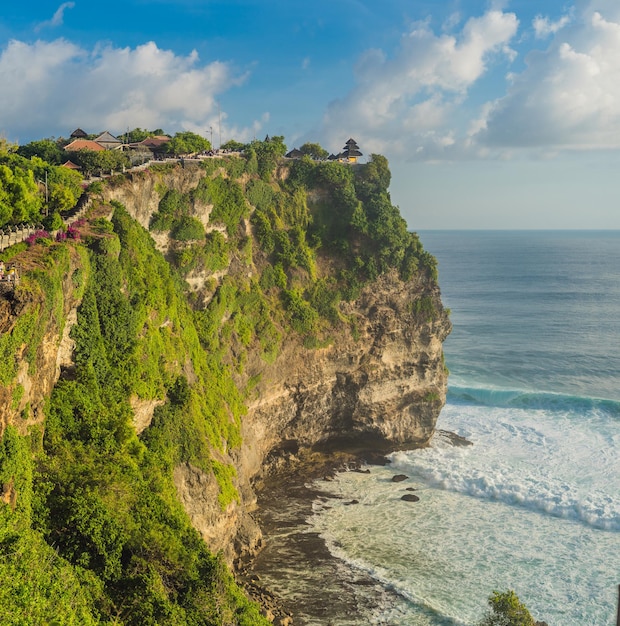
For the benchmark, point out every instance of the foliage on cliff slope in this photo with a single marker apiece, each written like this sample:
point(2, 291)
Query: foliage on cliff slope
point(95, 533)
point(91, 530)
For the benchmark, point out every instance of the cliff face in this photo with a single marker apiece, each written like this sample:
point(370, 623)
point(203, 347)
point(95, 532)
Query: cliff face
point(376, 382)
point(35, 327)
point(380, 389)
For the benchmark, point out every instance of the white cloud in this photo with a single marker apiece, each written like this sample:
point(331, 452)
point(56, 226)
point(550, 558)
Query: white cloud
point(404, 101)
point(57, 18)
point(57, 86)
point(568, 97)
point(543, 26)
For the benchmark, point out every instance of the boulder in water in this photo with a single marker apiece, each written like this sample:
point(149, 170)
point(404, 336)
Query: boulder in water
point(399, 478)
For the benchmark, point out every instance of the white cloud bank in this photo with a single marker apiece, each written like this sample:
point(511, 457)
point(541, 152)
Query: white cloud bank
point(420, 102)
point(568, 97)
point(409, 100)
point(57, 86)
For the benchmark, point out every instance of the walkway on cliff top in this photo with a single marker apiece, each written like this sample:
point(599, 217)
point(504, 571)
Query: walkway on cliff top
point(11, 235)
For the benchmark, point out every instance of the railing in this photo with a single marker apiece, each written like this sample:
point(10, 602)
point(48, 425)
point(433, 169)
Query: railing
point(10, 235)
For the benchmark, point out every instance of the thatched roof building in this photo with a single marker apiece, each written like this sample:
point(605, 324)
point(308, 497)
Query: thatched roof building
point(351, 152)
point(78, 133)
point(294, 154)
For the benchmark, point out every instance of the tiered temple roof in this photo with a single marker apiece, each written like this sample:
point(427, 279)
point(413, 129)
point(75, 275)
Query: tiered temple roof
point(351, 151)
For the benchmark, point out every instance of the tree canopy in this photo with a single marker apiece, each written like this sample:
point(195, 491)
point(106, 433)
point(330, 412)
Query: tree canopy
point(507, 610)
point(187, 142)
point(47, 149)
point(233, 145)
point(140, 134)
point(314, 150)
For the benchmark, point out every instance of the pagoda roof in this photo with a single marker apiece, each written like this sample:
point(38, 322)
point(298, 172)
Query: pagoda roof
point(78, 133)
point(294, 154)
point(351, 142)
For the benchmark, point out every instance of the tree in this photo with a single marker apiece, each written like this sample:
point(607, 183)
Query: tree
point(63, 183)
point(268, 153)
point(46, 149)
point(187, 143)
point(233, 146)
point(507, 610)
point(6, 147)
point(373, 178)
point(140, 134)
point(99, 161)
point(20, 199)
point(315, 151)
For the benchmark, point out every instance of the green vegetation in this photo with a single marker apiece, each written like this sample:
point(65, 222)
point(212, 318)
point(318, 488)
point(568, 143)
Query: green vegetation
point(91, 528)
point(124, 548)
point(314, 150)
point(187, 143)
point(226, 196)
point(140, 134)
point(48, 150)
point(267, 154)
point(507, 610)
point(31, 187)
point(99, 162)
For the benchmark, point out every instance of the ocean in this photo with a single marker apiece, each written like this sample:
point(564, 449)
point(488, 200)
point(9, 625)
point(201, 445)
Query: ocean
point(534, 504)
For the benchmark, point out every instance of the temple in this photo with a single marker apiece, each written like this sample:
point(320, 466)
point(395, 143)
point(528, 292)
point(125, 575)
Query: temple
point(351, 152)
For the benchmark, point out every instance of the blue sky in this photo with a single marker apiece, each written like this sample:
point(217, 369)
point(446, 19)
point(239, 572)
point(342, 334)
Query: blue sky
point(493, 114)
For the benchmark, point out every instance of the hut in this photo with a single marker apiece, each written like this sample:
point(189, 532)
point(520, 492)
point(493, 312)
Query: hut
point(71, 165)
point(78, 133)
point(294, 154)
point(156, 143)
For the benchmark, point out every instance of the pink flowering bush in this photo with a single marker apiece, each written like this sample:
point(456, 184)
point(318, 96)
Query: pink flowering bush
point(36, 236)
point(73, 232)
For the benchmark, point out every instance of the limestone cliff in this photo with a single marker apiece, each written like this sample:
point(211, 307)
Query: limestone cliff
point(315, 323)
point(35, 326)
point(378, 387)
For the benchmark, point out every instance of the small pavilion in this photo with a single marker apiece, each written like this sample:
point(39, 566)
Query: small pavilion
point(78, 133)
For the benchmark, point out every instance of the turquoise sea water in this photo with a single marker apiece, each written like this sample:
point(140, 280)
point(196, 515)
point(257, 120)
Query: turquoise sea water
point(534, 504)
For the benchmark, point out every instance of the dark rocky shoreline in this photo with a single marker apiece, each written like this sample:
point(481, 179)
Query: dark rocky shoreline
point(294, 576)
point(286, 494)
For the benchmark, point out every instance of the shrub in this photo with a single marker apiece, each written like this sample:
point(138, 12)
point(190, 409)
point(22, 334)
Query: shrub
point(507, 610)
point(302, 316)
point(38, 236)
point(187, 228)
point(53, 221)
